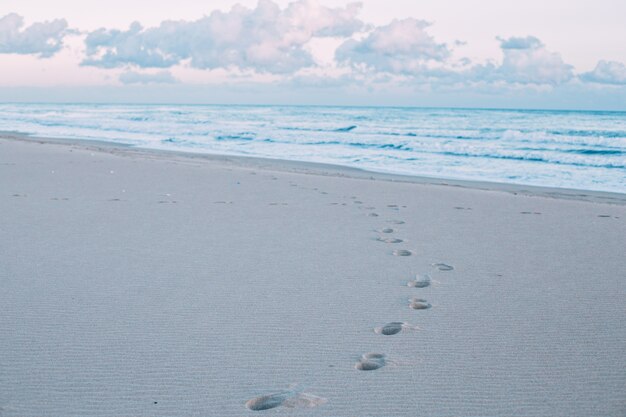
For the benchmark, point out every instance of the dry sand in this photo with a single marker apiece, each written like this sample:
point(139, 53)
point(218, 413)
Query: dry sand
point(138, 283)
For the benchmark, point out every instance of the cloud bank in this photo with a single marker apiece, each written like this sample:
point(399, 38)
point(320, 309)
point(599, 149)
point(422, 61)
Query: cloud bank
point(265, 39)
point(271, 44)
point(43, 39)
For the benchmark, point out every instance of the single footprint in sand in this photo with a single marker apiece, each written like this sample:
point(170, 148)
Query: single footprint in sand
point(402, 252)
point(373, 215)
point(396, 221)
point(385, 230)
point(419, 304)
point(443, 267)
point(420, 281)
point(371, 362)
point(291, 398)
point(389, 240)
point(394, 327)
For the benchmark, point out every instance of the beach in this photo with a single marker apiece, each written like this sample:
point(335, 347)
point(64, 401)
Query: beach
point(148, 283)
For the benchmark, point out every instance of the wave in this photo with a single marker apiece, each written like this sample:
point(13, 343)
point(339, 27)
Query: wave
point(346, 129)
point(234, 137)
point(581, 149)
point(589, 133)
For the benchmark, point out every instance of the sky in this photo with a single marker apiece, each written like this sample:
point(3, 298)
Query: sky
point(453, 53)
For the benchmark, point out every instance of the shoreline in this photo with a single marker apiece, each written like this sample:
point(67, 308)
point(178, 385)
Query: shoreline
point(316, 168)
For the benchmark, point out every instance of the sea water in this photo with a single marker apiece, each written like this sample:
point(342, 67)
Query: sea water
point(570, 149)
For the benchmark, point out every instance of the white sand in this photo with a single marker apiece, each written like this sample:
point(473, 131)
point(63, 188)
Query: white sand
point(144, 284)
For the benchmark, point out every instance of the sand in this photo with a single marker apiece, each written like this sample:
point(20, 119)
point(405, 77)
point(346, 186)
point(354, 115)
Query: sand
point(141, 283)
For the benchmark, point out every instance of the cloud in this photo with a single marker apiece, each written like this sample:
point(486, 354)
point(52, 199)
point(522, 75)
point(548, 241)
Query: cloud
point(264, 39)
point(402, 47)
point(405, 48)
point(607, 72)
point(527, 61)
point(529, 42)
point(43, 39)
point(132, 77)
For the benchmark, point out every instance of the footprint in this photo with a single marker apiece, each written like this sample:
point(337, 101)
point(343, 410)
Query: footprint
point(371, 362)
point(419, 304)
point(390, 240)
point(385, 230)
point(443, 267)
point(373, 215)
point(266, 402)
point(402, 252)
point(604, 215)
point(394, 327)
point(396, 221)
point(288, 398)
point(420, 281)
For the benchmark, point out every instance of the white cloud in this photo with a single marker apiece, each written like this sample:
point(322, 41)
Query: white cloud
point(529, 42)
point(402, 47)
point(43, 39)
point(264, 39)
point(607, 72)
point(161, 77)
point(527, 61)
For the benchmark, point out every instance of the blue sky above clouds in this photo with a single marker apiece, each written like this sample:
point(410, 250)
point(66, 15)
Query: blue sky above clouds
point(309, 52)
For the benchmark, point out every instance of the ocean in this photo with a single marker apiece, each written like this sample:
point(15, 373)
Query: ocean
point(564, 149)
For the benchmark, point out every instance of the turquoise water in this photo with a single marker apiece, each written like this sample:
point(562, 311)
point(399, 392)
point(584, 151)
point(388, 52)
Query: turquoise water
point(582, 150)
